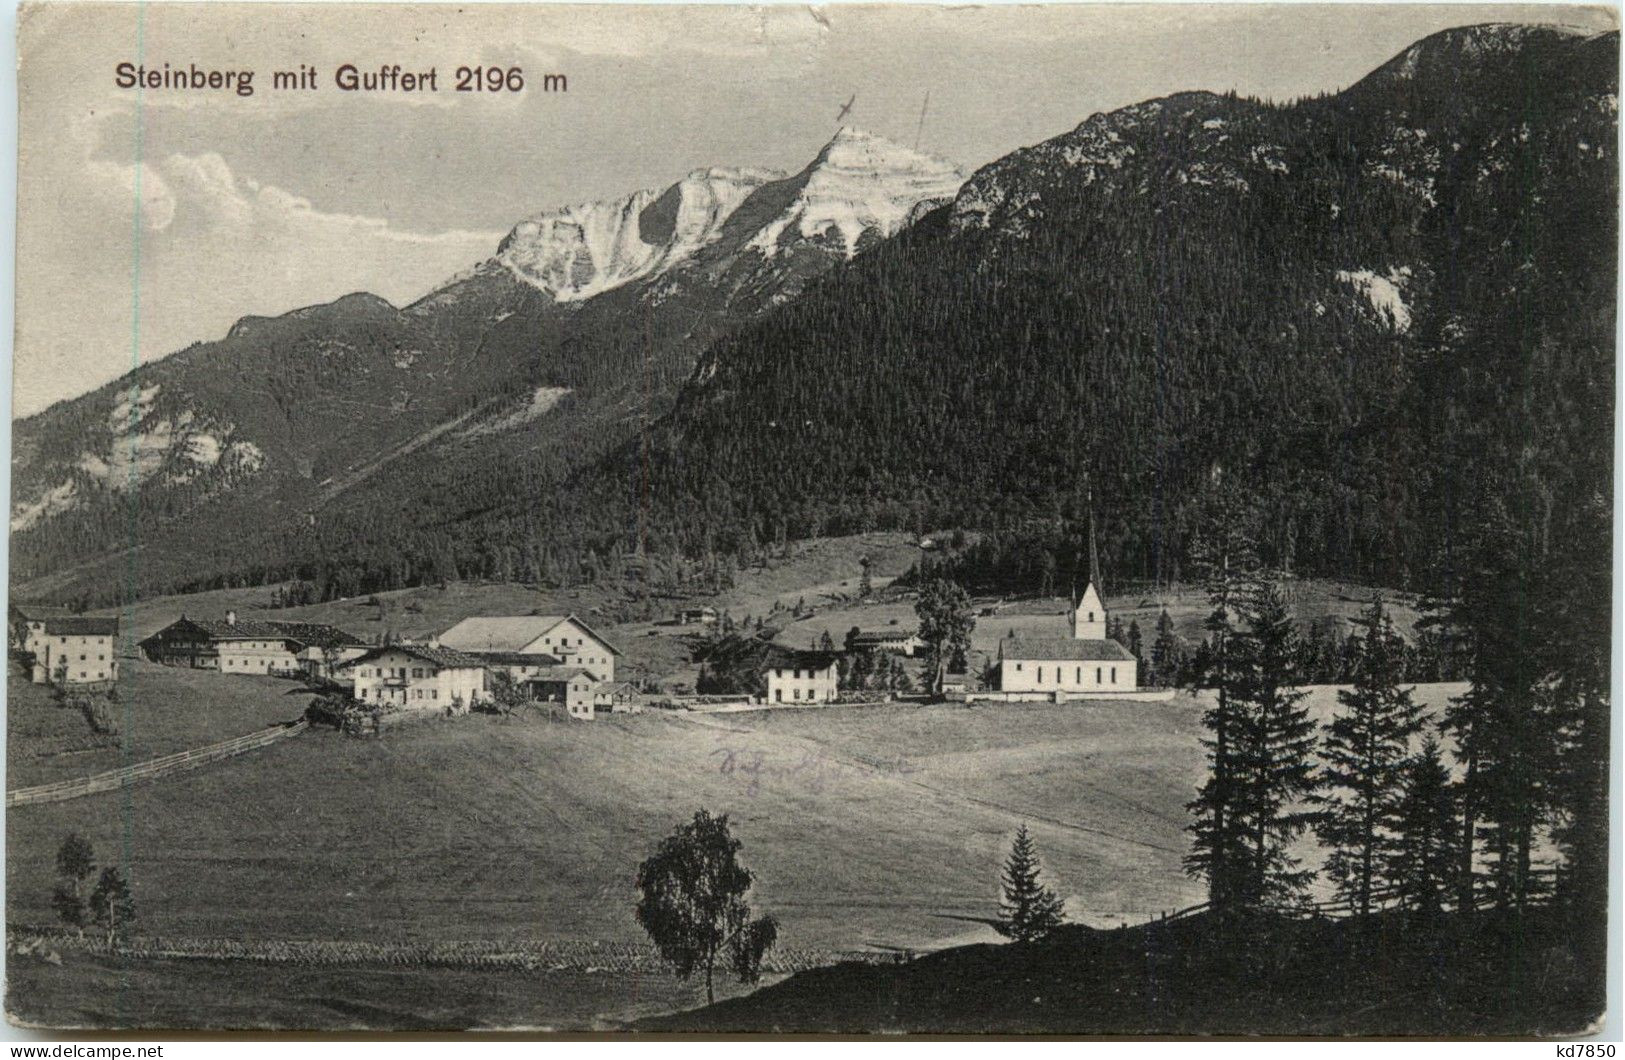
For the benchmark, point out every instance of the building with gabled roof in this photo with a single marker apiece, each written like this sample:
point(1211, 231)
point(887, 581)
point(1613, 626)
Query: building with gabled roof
point(566, 638)
point(802, 676)
point(246, 645)
point(570, 686)
point(417, 676)
point(72, 649)
point(1086, 661)
point(897, 641)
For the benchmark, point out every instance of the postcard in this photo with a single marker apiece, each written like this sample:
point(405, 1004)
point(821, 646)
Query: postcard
point(1062, 519)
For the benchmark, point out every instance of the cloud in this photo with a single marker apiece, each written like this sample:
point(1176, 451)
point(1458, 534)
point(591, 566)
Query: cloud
point(213, 246)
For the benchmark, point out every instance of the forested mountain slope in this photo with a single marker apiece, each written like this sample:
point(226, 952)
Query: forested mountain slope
point(1374, 310)
point(1388, 313)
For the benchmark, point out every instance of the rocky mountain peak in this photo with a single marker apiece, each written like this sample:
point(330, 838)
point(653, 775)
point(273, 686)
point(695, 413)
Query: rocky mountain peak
point(859, 184)
point(576, 251)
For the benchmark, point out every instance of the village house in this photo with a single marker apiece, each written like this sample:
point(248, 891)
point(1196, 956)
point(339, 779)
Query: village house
point(563, 639)
point(1086, 661)
point(26, 621)
point(896, 641)
point(697, 616)
point(621, 697)
point(417, 676)
point(569, 686)
point(71, 649)
point(802, 677)
point(321, 663)
point(517, 665)
point(235, 645)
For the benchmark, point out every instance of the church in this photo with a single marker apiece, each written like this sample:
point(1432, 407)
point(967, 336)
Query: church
point(1084, 662)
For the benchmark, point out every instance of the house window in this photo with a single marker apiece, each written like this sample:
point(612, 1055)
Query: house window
point(434, 693)
point(1018, 668)
point(795, 693)
point(1077, 675)
point(417, 671)
point(1091, 617)
point(81, 658)
point(1097, 675)
point(1114, 675)
point(1040, 678)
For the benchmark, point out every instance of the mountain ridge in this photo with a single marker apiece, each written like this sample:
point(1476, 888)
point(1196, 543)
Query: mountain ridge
point(345, 384)
point(1128, 311)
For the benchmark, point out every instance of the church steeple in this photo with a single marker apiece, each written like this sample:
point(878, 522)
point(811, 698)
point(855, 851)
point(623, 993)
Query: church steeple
point(1094, 554)
point(1088, 617)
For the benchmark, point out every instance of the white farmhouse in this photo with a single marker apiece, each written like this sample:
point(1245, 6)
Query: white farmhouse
point(426, 676)
point(802, 677)
point(564, 640)
point(73, 650)
point(897, 641)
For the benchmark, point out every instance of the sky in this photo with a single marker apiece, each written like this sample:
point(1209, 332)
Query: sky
point(149, 220)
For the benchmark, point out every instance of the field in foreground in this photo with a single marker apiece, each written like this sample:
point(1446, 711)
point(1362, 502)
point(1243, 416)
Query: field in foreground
point(94, 992)
point(868, 827)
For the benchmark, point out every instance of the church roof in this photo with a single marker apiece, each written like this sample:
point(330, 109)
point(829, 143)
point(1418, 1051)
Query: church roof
point(1062, 649)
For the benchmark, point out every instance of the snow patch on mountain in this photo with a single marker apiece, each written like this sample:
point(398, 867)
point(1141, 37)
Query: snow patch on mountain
point(138, 446)
point(131, 407)
point(860, 184)
point(57, 499)
point(1384, 293)
point(580, 250)
point(541, 402)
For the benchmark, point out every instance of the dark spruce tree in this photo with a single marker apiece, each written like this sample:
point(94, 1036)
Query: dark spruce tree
point(1425, 861)
point(1364, 756)
point(1029, 910)
point(1508, 724)
point(1273, 755)
point(1166, 654)
point(1226, 559)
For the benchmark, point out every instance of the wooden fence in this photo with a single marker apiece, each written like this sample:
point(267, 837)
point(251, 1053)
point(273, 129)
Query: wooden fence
point(114, 779)
point(1382, 900)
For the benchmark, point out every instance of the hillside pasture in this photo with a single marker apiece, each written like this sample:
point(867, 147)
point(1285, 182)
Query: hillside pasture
point(161, 709)
point(1311, 600)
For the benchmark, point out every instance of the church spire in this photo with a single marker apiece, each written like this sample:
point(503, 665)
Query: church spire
point(1088, 616)
point(1094, 554)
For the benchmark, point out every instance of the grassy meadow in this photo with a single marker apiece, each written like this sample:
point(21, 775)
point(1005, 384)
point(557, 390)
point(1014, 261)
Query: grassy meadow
point(161, 710)
point(867, 827)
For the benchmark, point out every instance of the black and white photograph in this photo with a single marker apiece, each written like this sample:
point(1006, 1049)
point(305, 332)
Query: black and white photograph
point(1087, 520)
